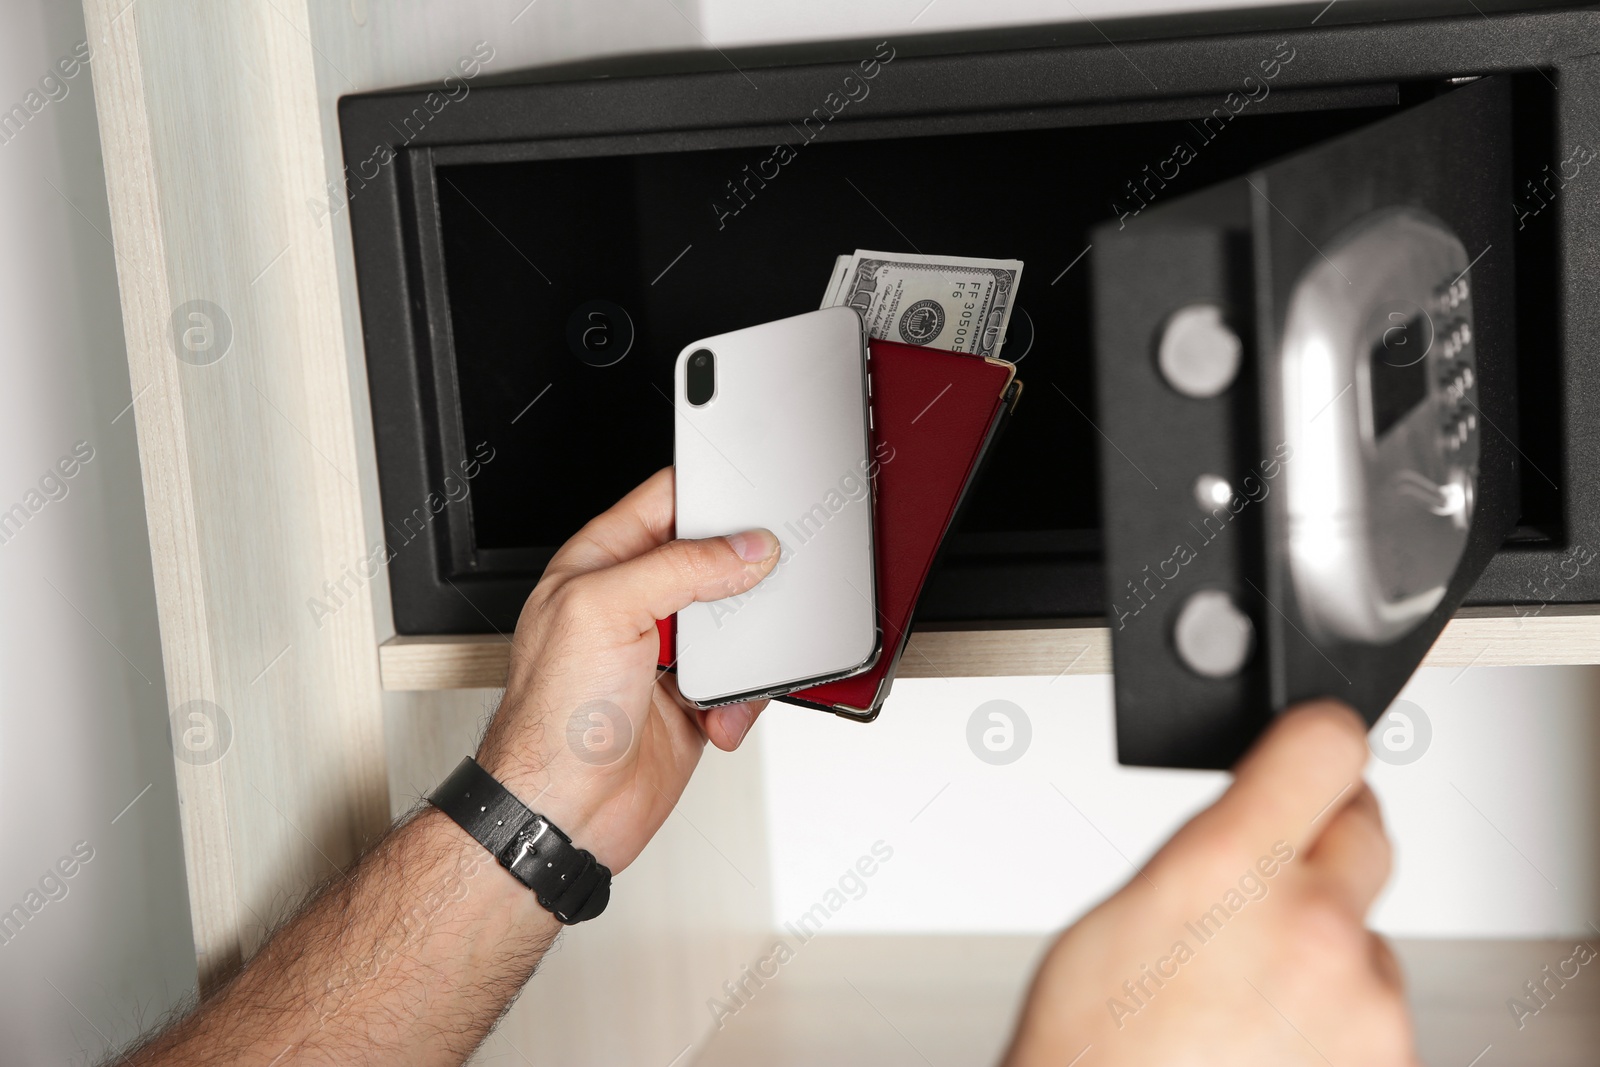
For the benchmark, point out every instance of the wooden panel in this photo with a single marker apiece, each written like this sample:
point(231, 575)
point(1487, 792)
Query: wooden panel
point(1476, 637)
point(248, 458)
point(450, 662)
point(853, 1000)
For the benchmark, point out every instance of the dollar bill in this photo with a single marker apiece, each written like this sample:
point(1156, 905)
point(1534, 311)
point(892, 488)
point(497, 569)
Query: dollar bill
point(953, 303)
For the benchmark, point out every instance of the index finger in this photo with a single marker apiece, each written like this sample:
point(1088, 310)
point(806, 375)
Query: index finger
point(632, 526)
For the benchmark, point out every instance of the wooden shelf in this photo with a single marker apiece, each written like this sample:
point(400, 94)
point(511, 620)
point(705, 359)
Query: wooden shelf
point(1476, 637)
point(930, 1000)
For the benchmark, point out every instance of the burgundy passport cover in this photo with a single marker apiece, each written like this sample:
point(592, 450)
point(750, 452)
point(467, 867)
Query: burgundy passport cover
point(934, 414)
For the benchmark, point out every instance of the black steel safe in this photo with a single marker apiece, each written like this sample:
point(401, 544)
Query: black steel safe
point(531, 256)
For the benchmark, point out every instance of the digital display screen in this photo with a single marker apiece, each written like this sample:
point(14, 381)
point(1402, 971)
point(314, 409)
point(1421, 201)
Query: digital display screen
point(1399, 377)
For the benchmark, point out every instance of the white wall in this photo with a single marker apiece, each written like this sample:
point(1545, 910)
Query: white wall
point(740, 22)
point(82, 699)
point(1495, 825)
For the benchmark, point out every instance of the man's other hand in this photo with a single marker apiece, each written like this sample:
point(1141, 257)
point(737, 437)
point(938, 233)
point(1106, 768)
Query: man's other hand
point(1243, 941)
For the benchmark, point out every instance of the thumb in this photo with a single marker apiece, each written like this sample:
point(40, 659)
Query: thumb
point(672, 576)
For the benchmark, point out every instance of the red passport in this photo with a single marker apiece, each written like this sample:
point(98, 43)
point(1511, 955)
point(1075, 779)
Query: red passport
point(934, 417)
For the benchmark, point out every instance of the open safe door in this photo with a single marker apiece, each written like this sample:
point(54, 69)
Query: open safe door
point(1307, 385)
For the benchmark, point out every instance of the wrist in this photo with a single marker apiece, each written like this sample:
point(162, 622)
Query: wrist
point(568, 880)
point(472, 873)
point(565, 803)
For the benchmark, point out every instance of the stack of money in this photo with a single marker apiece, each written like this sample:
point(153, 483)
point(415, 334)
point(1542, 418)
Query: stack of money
point(948, 302)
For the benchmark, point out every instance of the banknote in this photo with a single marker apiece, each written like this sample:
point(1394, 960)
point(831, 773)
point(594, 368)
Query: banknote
point(954, 303)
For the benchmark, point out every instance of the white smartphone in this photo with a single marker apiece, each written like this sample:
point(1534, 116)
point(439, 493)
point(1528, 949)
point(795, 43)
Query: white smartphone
point(773, 431)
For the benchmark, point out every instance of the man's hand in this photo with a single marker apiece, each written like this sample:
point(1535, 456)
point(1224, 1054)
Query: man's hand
point(411, 956)
point(587, 734)
point(1243, 941)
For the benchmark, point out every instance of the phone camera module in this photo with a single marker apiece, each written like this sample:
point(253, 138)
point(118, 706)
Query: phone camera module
point(700, 379)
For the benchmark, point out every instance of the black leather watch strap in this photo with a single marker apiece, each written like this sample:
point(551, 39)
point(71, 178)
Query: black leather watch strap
point(568, 881)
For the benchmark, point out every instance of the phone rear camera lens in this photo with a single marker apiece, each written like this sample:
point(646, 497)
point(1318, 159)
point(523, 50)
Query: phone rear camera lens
point(700, 379)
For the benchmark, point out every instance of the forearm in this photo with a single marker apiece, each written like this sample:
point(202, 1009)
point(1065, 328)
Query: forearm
point(409, 958)
point(412, 956)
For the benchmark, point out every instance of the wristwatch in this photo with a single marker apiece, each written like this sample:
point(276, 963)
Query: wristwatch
point(568, 881)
